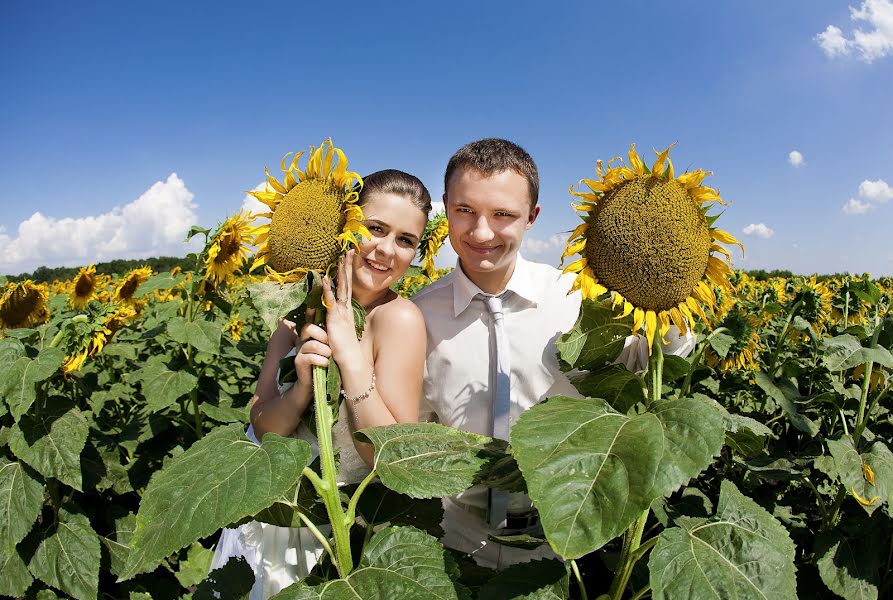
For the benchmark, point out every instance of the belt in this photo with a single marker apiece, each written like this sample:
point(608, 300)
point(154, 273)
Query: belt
point(514, 521)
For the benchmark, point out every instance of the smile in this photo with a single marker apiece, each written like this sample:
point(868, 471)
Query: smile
point(482, 249)
point(377, 266)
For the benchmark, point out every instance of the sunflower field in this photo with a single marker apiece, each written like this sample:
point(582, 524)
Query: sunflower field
point(757, 467)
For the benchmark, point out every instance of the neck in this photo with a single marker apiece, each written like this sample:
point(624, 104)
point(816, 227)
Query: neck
point(370, 299)
point(491, 282)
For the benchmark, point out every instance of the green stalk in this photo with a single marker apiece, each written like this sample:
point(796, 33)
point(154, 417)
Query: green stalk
point(642, 592)
point(579, 578)
point(632, 539)
point(324, 422)
point(352, 506)
point(657, 369)
point(835, 509)
point(780, 344)
point(696, 361)
point(861, 419)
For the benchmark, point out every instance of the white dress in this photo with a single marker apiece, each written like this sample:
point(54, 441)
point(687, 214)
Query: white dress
point(280, 556)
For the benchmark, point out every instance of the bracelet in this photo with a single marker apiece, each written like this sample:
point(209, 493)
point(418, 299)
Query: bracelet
point(362, 396)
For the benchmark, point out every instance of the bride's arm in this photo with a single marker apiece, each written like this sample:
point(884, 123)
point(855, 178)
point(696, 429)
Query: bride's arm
point(270, 410)
point(399, 357)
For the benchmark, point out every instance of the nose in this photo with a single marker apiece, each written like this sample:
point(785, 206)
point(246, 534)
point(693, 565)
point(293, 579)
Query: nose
point(482, 232)
point(386, 245)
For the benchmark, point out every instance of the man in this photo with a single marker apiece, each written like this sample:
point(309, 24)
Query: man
point(491, 189)
point(491, 330)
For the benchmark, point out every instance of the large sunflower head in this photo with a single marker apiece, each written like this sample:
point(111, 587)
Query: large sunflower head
point(314, 216)
point(84, 287)
point(23, 304)
point(646, 238)
point(229, 247)
point(436, 231)
point(129, 283)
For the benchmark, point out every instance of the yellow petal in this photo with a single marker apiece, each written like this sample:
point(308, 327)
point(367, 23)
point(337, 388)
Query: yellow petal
point(576, 266)
point(635, 162)
point(573, 248)
point(650, 328)
point(595, 185)
point(867, 473)
point(638, 320)
point(678, 320)
point(664, 319)
point(274, 182)
point(658, 168)
point(862, 500)
point(724, 237)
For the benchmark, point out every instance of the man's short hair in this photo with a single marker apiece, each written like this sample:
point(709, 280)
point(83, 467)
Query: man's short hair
point(494, 155)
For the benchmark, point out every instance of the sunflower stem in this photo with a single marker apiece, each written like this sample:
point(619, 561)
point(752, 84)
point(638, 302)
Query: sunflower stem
point(330, 496)
point(579, 579)
point(629, 555)
point(657, 369)
point(781, 337)
point(862, 418)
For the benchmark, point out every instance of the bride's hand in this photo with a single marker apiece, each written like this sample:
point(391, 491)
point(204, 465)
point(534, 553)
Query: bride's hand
point(340, 328)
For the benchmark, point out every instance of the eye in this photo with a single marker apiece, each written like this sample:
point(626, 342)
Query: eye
point(407, 242)
point(375, 228)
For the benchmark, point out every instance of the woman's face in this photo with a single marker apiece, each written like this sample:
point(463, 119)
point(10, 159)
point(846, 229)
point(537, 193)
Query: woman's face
point(395, 226)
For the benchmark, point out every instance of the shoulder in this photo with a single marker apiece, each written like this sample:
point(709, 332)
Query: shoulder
point(399, 314)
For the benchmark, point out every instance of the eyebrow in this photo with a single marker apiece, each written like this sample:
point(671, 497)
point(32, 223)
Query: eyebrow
point(383, 224)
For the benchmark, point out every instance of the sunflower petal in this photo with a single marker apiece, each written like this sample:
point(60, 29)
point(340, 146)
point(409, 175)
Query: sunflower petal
point(635, 162)
point(650, 328)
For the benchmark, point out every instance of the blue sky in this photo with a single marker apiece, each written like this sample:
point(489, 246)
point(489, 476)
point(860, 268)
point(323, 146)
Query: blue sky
point(124, 123)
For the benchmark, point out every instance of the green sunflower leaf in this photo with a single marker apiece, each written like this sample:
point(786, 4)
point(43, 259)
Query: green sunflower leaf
point(534, 580)
point(162, 387)
point(69, 558)
point(232, 581)
point(201, 335)
point(845, 352)
point(18, 378)
point(15, 577)
point(21, 498)
point(407, 454)
point(52, 442)
point(196, 566)
point(849, 562)
point(222, 478)
point(741, 552)
point(596, 339)
point(777, 391)
point(162, 281)
point(118, 542)
point(619, 387)
point(398, 562)
point(591, 471)
point(849, 466)
point(274, 301)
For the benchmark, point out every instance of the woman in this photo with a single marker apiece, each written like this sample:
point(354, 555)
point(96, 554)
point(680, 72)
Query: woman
point(381, 373)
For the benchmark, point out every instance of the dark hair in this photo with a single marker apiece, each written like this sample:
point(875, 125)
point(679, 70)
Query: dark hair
point(392, 181)
point(494, 155)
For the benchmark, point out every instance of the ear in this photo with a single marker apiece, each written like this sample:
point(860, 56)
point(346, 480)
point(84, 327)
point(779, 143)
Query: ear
point(445, 201)
point(533, 215)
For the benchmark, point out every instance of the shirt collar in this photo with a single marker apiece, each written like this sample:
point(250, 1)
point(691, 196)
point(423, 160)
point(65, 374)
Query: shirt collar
point(522, 283)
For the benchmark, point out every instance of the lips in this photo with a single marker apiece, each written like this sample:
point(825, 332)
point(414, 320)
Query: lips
point(378, 267)
point(484, 250)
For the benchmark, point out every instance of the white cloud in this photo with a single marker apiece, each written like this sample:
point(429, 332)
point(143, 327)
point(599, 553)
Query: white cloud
point(760, 230)
point(535, 246)
point(154, 224)
point(437, 207)
point(856, 207)
point(876, 191)
point(795, 158)
point(873, 43)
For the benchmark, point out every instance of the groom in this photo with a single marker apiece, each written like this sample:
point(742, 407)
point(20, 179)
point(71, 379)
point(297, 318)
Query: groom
point(491, 190)
point(492, 325)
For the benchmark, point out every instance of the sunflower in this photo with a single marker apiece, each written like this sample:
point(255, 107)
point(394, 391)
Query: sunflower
point(235, 327)
point(815, 299)
point(94, 335)
point(230, 247)
point(314, 215)
point(743, 325)
point(647, 239)
point(436, 231)
point(84, 287)
point(24, 304)
point(128, 285)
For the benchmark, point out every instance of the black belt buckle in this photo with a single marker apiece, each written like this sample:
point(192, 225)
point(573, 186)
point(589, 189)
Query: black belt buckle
point(524, 520)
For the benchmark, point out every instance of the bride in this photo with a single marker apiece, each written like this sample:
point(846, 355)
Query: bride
point(381, 373)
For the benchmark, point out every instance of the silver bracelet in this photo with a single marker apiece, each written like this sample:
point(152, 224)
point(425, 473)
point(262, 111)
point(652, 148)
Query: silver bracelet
point(362, 396)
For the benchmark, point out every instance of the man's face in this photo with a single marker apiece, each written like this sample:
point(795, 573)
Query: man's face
point(488, 216)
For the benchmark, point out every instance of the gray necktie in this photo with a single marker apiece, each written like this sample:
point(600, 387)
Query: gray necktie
point(500, 383)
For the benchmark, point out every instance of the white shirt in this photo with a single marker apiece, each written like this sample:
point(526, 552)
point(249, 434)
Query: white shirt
point(537, 311)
